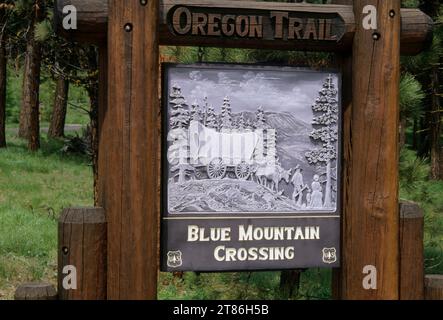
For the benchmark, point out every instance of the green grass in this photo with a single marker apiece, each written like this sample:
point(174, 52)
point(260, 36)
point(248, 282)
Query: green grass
point(415, 186)
point(314, 284)
point(34, 188)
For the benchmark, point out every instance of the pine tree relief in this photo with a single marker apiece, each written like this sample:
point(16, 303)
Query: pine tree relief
point(260, 119)
point(179, 118)
point(211, 118)
point(196, 114)
point(226, 116)
point(179, 121)
point(325, 133)
point(241, 125)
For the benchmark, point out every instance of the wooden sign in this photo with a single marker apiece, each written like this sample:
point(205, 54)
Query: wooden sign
point(250, 168)
point(199, 237)
point(230, 24)
point(256, 24)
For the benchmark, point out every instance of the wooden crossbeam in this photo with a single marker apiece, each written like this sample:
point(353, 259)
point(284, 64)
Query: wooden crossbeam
point(92, 17)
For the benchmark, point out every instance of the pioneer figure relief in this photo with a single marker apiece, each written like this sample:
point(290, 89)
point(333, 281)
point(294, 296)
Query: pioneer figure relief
point(251, 141)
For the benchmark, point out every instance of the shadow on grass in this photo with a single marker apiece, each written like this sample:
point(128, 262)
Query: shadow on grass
point(48, 148)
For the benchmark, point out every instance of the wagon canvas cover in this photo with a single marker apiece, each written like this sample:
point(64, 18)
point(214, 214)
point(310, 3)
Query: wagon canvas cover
point(207, 144)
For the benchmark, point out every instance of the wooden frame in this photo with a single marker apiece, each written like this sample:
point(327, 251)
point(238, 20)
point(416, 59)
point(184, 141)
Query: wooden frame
point(93, 16)
point(130, 126)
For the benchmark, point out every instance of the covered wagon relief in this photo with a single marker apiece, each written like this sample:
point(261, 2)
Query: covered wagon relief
point(252, 141)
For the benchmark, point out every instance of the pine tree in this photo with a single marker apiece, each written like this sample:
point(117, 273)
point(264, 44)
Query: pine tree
point(271, 144)
point(5, 20)
point(179, 114)
point(235, 123)
point(179, 120)
point(33, 12)
point(260, 125)
point(426, 67)
point(226, 116)
point(248, 125)
point(196, 114)
point(325, 132)
point(205, 111)
point(241, 124)
point(211, 118)
point(260, 119)
point(411, 99)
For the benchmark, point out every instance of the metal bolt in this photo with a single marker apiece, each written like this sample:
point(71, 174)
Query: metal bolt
point(143, 2)
point(128, 27)
point(65, 250)
point(376, 36)
point(392, 13)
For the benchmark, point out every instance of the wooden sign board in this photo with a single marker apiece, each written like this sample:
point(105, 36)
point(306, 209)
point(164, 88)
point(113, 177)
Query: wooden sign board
point(251, 163)
point(245, 24)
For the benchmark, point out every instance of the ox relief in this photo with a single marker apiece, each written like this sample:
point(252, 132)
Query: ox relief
point(251, 167)
point(253, 24)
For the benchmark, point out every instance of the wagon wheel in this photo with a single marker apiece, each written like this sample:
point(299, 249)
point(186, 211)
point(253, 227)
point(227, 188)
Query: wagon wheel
point(216, 169)
point(243, 171)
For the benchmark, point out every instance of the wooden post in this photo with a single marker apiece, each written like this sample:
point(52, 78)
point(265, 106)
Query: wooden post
point(370, 208)
point(434, 287)
point(130, 140)
point(344, 63)
point(82, 244)
point(35, 291)
point(411, 252)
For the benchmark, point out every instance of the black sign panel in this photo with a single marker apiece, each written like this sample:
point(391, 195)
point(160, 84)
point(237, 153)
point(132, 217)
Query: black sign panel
point(251, 168)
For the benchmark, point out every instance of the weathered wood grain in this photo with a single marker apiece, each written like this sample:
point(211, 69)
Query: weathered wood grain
point(93, 17)
point(343, 62)
point(411, 251)
point(92, 20)
point(130, 134)
point(103, 164)
point(370, 229)
point(434, 287)
point(82, 244)
point(35, 291)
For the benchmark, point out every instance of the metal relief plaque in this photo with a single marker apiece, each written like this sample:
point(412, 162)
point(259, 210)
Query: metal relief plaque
point(251, 168)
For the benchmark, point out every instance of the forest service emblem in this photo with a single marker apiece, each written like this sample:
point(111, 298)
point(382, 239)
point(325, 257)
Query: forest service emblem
point(174, 259)
point(329, 255)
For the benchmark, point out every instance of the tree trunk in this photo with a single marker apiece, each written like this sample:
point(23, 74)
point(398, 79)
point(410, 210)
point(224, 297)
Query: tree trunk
point(57, 125)
point(402, 137)
point(34, 123)
point(435, 126)
point(93, 114)
point(415, 134)
point(3, 77)
point(290, 283)
point(29, 114)
point(93, 93)
point(23, 131)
